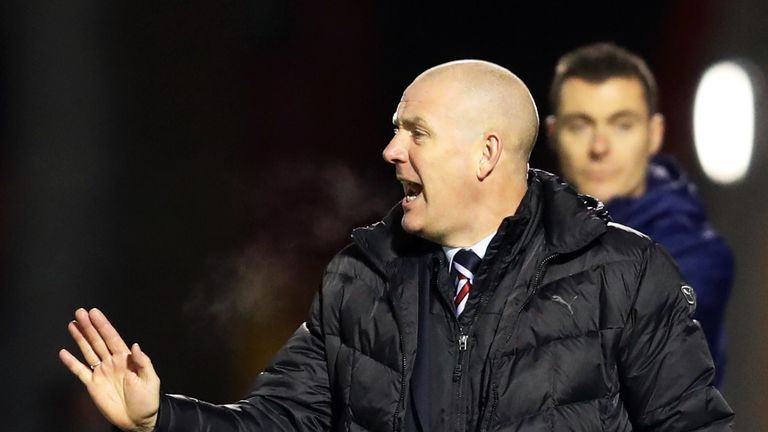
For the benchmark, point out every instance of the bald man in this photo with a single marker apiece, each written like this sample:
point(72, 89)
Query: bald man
point(492, 297)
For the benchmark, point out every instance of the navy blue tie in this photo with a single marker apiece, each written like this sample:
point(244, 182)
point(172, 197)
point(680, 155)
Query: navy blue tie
point(463, 268)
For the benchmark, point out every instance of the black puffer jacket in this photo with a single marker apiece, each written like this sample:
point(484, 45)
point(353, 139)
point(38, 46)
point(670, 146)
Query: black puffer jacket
point(592, 333)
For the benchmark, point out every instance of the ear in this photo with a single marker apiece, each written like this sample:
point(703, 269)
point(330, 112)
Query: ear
point(551, 130)
point(492, 148)
point(657, 133)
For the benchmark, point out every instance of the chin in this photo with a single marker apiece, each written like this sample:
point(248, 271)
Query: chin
point(418, 229)
point(605, 197)
point(599, 193)
point(410, 226)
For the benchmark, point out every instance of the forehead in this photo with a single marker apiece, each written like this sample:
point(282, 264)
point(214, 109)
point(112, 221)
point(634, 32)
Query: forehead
point(429, 100)
point(613, 94)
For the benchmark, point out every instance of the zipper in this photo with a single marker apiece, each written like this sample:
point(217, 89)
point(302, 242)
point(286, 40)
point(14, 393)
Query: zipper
point(537, 280)
point(458, 372)
point(535, 286)
point(396, 422)
point(462, 340)
point(462, 344)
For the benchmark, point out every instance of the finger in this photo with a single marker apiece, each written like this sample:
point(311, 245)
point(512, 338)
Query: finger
point(142, 362)
point(73, 364)
point(91, 334)
point(90, 356)
point(112, 338)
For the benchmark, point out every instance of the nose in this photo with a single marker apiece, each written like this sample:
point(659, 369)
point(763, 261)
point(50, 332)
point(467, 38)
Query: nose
point(395, 151)
point(600, 145)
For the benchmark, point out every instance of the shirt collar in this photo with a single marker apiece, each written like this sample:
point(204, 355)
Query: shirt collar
point(479, 248)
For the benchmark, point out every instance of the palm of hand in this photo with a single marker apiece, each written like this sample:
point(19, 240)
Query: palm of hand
point(121, 381)
point(122, 395)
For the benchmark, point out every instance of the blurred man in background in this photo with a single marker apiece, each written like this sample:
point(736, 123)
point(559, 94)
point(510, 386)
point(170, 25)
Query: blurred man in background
point(606, 131)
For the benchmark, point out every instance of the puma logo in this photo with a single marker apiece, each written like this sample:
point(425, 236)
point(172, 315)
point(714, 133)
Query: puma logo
point(560, 300)
point(689, 293)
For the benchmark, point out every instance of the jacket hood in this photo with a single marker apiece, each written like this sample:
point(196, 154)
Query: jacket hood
point(570, 221)
point(668, 191)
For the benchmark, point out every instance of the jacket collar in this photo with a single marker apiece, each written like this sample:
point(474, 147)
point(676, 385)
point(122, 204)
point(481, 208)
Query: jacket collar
point(570, 221)
point(668, 190)
point(386, 241)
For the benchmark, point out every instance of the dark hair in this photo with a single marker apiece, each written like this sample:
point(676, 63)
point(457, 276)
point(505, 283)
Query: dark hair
point(599, 62)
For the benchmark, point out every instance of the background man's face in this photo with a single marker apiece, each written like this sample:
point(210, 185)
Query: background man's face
point(433, 153)
point(604, 136)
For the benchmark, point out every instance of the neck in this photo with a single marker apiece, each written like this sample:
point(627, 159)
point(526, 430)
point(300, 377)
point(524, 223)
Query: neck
point(486, 217)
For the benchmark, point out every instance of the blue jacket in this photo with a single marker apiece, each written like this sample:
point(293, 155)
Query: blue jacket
point(671, 213)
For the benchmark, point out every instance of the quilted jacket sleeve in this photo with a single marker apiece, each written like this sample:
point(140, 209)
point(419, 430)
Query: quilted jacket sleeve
point(666, 369)
point(292, 394)
point(707, 264)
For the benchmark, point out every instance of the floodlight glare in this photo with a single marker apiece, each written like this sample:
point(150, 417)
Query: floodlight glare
point(724, 122)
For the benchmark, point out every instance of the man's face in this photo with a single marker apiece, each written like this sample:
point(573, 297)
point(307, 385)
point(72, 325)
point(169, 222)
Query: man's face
point(433, 152)
point(604, 136)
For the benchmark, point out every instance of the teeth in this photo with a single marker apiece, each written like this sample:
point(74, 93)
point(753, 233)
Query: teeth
point(412, 190)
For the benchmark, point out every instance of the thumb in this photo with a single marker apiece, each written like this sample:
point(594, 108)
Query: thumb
point(142, 362)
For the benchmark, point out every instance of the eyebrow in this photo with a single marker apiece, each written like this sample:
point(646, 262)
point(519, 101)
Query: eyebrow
point(409, 122)
point(626, 113)
point(615, 116)
point(576, 116)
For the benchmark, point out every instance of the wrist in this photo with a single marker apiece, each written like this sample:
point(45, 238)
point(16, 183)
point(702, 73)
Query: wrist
point(150, 424)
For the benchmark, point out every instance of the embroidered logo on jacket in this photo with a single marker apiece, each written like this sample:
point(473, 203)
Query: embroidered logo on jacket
point(689, 294)
point(560, 300)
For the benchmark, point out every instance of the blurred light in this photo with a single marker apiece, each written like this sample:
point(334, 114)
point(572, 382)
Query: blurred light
point(724, 122)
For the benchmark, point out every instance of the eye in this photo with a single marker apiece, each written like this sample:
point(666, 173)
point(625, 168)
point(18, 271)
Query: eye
point(625, 126)
point(577, 126)
point(418, 134)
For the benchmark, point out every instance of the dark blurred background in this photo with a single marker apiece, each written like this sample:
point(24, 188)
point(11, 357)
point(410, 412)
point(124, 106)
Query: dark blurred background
point(189, 167)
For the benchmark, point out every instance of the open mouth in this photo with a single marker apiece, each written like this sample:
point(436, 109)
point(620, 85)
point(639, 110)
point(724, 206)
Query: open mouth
point(412, 190)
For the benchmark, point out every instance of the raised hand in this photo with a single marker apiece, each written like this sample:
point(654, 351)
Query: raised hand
point(121, 381)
